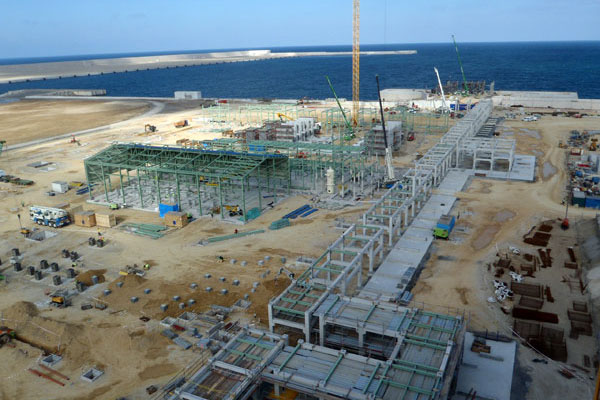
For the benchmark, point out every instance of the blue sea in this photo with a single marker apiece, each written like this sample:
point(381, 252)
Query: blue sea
point(551, 66)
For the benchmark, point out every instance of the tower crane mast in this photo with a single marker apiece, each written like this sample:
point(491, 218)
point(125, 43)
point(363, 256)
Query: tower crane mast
point(356, 62)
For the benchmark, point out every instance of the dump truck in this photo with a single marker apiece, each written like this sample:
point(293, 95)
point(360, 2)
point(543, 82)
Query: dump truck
point(444, 227)
point(129, 270)
point(60, 298)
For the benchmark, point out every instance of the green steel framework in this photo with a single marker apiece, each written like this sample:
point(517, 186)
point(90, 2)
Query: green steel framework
point(331, 118)
point(225, 169)
point(223, 173)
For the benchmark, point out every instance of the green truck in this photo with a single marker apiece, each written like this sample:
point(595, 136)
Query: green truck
point(444, 226)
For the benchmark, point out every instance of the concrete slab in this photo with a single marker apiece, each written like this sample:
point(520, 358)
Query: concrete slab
point(491, 376)
point(396, 273)
point(523, 170)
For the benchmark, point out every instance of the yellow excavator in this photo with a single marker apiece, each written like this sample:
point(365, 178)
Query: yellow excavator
point(281, 116)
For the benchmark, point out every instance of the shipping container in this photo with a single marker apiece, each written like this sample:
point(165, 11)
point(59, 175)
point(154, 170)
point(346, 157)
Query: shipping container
point(592, 202)
point(60, 187)
point(164, 208)
point(176, 219)
point(578, 199)
point(106, 220)
point(85, 218)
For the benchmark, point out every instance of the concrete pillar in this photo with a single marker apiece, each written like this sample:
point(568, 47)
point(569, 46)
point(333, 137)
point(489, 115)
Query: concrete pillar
point(270, 311)
point(321, 330)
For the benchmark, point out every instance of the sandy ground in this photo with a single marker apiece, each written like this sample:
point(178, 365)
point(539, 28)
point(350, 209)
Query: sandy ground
point(136, 354)
point(28, 120)
point(495, 214)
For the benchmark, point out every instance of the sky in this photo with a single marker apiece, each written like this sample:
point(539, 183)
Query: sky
point(39, 28)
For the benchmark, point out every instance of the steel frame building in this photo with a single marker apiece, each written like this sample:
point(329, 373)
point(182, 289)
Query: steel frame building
point(203, 176)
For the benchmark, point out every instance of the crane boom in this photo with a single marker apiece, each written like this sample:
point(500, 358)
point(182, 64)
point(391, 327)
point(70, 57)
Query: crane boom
point(445, 105)
point(350, 134)
point(391, 176)
point(462, 71)
point(356, 62)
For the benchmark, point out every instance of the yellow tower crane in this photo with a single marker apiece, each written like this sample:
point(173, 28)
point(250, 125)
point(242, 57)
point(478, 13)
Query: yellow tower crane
point(355, 62)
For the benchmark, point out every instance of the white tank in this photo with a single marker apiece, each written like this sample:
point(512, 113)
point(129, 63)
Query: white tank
point(330, 180)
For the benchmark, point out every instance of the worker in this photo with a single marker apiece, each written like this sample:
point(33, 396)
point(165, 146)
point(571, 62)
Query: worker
point(73, 264)
point(99, 233)
point(146, 266)
point(236, 231)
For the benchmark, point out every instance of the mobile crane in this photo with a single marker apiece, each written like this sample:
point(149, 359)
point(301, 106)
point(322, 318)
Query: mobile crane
point(391, 175)
point(349, 130)
point(54, 217)
point(462, 71)
point(445, 107)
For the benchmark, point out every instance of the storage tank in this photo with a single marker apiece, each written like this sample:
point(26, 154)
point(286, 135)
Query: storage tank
point(330, 180)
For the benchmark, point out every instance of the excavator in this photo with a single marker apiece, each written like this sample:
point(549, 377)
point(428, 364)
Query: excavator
point(281, 116)
point(6, 335)
point(150, 128)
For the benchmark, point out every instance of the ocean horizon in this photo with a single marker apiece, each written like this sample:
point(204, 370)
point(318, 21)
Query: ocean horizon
point(567, 66)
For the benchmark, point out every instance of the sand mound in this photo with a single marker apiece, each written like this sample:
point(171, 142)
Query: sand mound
point(21, 309)
point(86, 277)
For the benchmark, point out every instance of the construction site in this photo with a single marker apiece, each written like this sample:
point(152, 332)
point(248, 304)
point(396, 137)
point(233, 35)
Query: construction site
point(440, 244)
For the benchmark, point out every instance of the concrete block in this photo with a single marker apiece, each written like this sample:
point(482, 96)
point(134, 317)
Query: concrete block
point(194, 285)
point(207, 276)
point(267, 258)
point(224, 291)
point(92, 375)
point(50, 360)
point(134, 299)
point(147, 291)
point(261, 263)
point(164, 307)
point(54, 267)
point(181, 306)
point(233, 261)
point(209, 289)
point(236, 282)
point(222, 279)
point(244, 263)
point(119, 284)
point(107, 292)
point(191, 302)
point(176, 298)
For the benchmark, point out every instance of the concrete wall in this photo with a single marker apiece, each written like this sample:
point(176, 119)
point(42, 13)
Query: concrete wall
point(403, 94)
point(558, 100)
point(188, 95)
